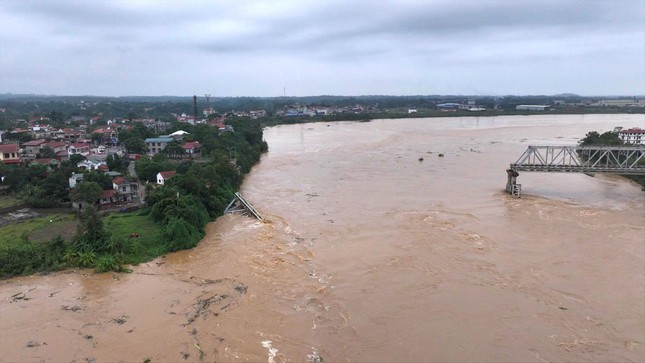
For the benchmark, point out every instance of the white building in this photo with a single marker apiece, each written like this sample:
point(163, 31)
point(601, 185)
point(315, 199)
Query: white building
point(632, 136)
point(163, 176)
point(533, 107)
point(91, 164)
point(75, 179)
point(621, 103)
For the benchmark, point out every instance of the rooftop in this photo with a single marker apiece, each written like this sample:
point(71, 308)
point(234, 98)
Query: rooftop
point(159, 139)
point(8, 148)
point(167, 174)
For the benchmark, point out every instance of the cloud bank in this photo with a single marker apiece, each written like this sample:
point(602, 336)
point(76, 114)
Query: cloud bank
point(261, 48)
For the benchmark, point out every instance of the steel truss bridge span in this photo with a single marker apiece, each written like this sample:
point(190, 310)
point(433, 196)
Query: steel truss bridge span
point(583, 159)
point(626, 160)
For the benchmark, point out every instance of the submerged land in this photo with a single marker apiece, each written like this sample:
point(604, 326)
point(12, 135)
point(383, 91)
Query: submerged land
point(110, 182)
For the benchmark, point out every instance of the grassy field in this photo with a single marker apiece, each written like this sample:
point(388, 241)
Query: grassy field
point(38, 229)
point(8, 201)
point(147, 246)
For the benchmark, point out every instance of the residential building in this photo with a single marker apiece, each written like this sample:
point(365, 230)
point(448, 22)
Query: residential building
point(32, 148)
point(125, 190)
point(107, 197)
point(192, 149)
point(632, 136)
point(157, 144)
point(163, 176)
point(255, 114)
point(56, 146)
point(78, 149)
point(75, 179)
point(91, 164)
point(9, 153)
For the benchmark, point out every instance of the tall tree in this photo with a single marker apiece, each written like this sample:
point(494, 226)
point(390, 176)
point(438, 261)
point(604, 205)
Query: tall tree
point(135, 145)
point(174, 150)
point(90, 234)
point(47, 152)
point(86, 191)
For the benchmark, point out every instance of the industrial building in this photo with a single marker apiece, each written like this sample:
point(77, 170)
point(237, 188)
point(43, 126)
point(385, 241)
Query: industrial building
point(533, 107)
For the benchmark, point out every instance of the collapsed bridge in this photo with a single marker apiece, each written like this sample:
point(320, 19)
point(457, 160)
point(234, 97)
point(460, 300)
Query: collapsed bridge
point(626, 160)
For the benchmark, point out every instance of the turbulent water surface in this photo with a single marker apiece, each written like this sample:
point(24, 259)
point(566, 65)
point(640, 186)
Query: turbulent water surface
point(369, 254)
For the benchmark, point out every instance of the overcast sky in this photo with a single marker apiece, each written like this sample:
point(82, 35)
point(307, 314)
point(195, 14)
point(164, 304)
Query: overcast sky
point(359, 47)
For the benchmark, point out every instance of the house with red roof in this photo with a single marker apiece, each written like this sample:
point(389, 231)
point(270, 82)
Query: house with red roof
point(107, 197)
point(69, 134)
point(56, 146)
point(31, 148)
point(106, 132)
point(192, 148)
point(9, 154)
point(78, 149)
point(62, 155)
point(163, 176)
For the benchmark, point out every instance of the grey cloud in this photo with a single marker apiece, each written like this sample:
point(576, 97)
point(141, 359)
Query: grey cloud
point(315, 36)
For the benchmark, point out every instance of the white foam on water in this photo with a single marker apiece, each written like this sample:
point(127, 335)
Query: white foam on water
point(272, 351)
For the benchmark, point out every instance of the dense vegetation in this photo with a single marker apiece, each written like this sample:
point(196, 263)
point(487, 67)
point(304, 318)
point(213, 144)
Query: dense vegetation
point(609, 138)
point(173, 218)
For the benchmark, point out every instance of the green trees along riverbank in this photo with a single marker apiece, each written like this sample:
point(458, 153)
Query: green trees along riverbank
point(173, 217)
point(609, 138)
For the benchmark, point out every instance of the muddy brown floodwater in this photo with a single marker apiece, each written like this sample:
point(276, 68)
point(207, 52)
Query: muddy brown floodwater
point(369, 254)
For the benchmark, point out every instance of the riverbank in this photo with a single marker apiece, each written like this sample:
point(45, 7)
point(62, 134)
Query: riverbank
point(172, 219)
point(287, 120)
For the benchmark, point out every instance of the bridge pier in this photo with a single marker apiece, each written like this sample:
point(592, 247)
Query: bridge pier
point(512, 187)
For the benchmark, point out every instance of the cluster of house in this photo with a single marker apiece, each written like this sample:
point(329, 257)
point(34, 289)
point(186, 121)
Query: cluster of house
point(253, 114)
point(125, 190)
point(64, 142)
point(298, 110)
point(28, 152)
point(217, 121)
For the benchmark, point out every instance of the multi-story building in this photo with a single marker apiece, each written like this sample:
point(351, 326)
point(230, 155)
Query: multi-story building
point(125, 190)
point(632, 136)
point(157, 144)
point(9, 154)
point(32, 148)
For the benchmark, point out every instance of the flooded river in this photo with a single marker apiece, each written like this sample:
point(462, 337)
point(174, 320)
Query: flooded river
point(368, 253)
